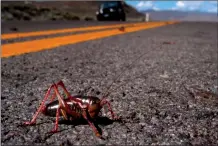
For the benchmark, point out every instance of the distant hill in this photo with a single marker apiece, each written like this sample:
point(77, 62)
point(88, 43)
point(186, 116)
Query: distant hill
point(57, 10)
point(181, 16)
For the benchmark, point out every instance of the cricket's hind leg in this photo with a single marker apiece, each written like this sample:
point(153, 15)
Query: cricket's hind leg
point(41, 107)
point(61, 84)
point(55, 129)
point(62, 107)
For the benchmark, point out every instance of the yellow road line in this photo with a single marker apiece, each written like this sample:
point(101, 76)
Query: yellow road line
point(50, 43)
point(50, 32)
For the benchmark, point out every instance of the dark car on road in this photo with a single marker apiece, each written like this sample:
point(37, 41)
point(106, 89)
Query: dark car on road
point(111, 10)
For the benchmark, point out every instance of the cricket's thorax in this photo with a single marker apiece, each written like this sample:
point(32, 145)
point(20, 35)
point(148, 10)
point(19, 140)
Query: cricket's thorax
point(87, 99)
point(93, 103)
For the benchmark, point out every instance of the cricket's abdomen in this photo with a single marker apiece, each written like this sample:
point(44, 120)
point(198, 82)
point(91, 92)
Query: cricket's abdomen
point(93, 102)
point(52, 107)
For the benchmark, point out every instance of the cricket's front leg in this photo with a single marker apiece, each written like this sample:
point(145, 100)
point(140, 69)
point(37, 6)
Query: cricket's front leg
point(103, 102)
point(91, 124)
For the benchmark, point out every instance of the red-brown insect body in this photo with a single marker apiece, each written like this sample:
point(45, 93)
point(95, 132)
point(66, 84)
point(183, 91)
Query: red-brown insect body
point(94, 107)
point(74, 107)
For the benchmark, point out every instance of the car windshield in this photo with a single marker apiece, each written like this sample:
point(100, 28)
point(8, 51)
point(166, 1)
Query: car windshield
point(109, 4)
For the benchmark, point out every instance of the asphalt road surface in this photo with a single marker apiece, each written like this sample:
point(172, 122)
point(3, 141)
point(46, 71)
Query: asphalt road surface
point(157, 97)
point(26, 26)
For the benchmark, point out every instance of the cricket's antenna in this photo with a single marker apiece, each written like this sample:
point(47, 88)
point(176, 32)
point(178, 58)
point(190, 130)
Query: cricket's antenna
point(108, 91)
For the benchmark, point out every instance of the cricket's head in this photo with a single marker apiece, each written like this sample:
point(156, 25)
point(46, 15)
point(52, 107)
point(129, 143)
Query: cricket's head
point(94, 107)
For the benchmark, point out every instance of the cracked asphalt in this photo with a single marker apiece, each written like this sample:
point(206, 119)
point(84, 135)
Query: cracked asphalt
point(167, 97)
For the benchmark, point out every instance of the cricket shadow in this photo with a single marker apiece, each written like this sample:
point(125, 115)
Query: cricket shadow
point(103, 121)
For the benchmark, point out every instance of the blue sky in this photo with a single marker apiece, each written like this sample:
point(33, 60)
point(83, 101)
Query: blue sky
point(202, 6)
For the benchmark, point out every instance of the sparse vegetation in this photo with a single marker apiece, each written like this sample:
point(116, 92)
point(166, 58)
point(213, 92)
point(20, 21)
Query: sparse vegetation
point(72, 10)
point(89, 19)
point(69, 16)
